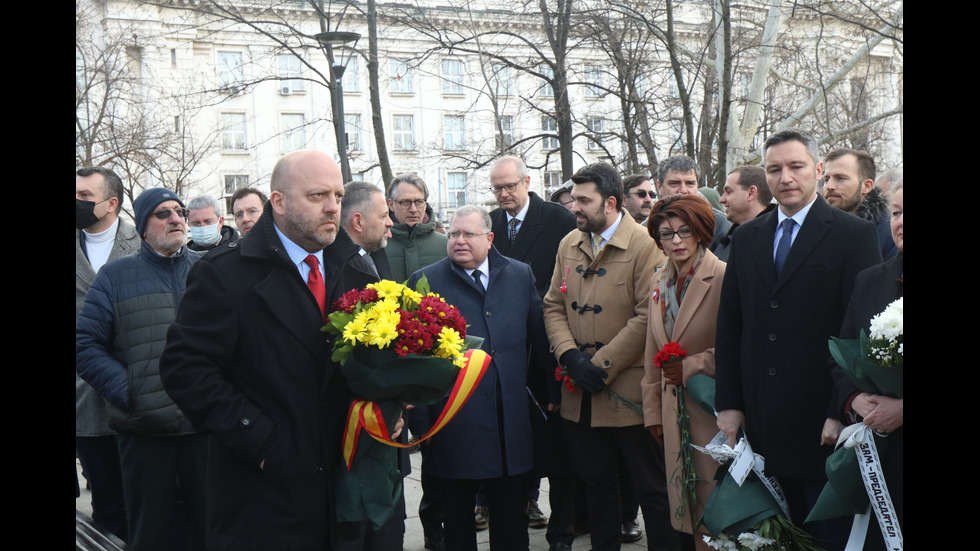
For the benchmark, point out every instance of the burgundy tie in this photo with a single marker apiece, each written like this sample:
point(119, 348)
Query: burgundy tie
point(315, 283)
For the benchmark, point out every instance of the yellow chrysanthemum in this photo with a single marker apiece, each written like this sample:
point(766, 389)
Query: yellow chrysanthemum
point(412, 298)
point(353, 331)
point(364, 317)
point(382, 333)
point(450, 344)
point(386, 306)
point(386, 288)
point(386, 317)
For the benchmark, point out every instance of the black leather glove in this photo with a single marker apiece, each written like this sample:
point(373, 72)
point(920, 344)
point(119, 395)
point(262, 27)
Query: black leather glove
point(587, 376)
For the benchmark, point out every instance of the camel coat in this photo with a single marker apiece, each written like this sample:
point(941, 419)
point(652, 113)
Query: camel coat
point(618, 282)
point(694, 331)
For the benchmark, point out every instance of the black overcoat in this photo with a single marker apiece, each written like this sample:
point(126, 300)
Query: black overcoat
point(537, 241)
point(247, 362)
point(771, 355)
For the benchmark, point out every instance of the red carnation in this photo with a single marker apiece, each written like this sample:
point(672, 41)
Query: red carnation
point(669, 353)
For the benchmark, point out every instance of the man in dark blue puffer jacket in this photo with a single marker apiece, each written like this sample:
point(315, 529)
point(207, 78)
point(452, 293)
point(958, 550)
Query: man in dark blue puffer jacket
point(119, 337)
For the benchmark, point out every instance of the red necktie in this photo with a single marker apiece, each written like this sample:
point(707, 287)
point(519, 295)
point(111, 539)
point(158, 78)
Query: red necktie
point(315, 282)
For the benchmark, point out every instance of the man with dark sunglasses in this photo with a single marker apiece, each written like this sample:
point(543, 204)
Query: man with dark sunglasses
point(639, 196)
point(119, 337)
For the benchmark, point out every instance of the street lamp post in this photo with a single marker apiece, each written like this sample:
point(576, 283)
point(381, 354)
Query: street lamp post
point(329, 40)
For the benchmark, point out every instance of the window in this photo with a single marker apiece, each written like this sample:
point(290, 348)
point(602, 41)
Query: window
point(352, 124)
point(292, 131)
point(549, 126)
point(290, 75)
point(350, 82)
point(501, 83)
point(233, 131)
point(173, 58)
point(595, 131)
point(593, 76)
point(457, 189)
point(552, 181)
point(230, 74)
point(134, 62)
point(234, 182)
point(401, 77)
point(505, 135)
point(452, 77)
point(452, 132)
point(546, 88)
point(403, 132)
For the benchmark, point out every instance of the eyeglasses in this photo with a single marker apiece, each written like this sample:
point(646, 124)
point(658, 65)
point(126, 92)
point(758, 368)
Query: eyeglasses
point(667, 235)
point(467, 235)
point(166, 213)
point(253, 212)
point(566, 203)
point(510, 188)
point(407, 203)
point(642, 193)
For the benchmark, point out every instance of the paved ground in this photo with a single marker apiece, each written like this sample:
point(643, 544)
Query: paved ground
point(413, 529)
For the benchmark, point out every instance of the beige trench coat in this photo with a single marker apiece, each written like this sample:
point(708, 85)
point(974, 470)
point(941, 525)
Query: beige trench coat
point(694, 331)
point(621, 288)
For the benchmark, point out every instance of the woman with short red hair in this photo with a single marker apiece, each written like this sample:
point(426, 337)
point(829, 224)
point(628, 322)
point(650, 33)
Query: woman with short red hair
point(683, 310)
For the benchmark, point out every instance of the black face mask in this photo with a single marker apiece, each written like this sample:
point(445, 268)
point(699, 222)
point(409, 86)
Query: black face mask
point(85, 214)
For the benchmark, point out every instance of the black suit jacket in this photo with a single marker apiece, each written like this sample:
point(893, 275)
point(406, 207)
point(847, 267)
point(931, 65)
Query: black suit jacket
point(246, 361)
point(771, 354)
point(537, 240)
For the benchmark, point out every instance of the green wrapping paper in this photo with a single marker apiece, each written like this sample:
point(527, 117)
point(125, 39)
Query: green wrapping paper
point(373, 485)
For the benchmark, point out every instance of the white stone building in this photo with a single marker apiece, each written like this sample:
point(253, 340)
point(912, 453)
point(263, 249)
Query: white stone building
point(245, 98)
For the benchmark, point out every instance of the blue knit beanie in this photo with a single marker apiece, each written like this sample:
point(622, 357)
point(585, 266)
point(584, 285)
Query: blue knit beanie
point(147, 202)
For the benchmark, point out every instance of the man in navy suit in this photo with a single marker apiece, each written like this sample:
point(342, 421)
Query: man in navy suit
point(489, 441)
point(788, 283)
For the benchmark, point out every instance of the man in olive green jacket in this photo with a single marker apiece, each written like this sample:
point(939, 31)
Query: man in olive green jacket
point(414, 242)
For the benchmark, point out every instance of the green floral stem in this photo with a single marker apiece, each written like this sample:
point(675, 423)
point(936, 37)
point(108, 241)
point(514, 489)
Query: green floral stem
point(689, 494)
point(630, 403)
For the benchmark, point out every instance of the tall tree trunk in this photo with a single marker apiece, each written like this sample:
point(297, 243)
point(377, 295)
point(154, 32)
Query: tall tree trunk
point(557, 33)
point(724, 49)
point(682, 94)
point(374, 89)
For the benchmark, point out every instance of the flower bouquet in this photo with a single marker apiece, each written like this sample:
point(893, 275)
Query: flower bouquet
point(874, 364)
point(396, 346)
point(746, 515)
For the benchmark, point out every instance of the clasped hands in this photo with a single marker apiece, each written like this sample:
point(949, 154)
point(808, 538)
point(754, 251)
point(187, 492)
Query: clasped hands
point(880, 413)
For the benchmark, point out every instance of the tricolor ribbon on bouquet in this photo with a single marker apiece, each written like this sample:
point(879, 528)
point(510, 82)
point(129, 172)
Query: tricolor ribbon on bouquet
point(367, 415)
point(743, 461)
point(860, 438)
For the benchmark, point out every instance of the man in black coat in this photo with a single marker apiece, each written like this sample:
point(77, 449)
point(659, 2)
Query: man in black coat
point(247, 360)
point(538, 228)
point(540, 225)
point(785, 292)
